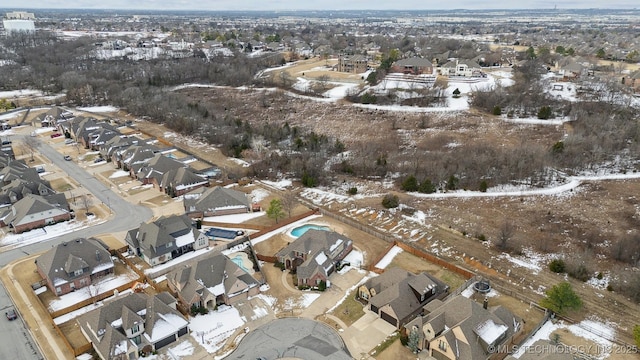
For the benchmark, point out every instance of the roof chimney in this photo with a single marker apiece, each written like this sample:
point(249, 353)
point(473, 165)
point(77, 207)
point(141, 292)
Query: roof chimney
point(485, 303)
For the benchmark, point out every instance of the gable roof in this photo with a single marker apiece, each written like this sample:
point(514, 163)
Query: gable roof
point(106, 325)
point(181, 178)
point(218, 274)
point(319, 245)
point(163, 235)
point(402, 290)
point(414, 62)
point(60, 262)
point(33, 204)
point(215, 198)
point(157, 166)
point(474, 322)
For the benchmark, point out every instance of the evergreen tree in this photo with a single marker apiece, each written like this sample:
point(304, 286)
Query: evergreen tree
point(561, 298)
point(413, 341)
point(275, 210)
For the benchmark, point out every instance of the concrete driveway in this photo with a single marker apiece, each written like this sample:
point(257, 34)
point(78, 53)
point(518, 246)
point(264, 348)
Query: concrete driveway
point(365, 334)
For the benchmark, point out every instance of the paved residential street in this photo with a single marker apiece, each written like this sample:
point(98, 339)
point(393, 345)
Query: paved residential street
point(15, 340)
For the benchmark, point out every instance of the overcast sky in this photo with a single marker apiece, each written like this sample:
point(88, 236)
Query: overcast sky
point(321, 5)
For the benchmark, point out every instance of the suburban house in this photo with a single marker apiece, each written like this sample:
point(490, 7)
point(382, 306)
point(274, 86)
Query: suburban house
point(204, 202)
point(19, 188)
point(134, 157)
point(111, 146)
point(397, 295)
point(74, 265)
point(177, 182)
point(460, 328)
point(356, 64)
point(314, 255)
point(461, 69)
point(212, 281)
point(100, 137)
point(153, 169)
point(413, 66)
point(134, 324)
point(17, 170)
point(166, 238)
point(51, 117)
point(35, 211)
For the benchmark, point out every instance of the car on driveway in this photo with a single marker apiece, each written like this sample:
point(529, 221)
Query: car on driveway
point(11, 314)
point(55, 135)
point(67, 157)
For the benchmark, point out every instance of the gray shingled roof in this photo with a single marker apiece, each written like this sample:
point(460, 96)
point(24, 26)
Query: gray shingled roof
point(60, 261)
point(157, 166)
point(33, 204)
point(153, 237)
point(212, 198)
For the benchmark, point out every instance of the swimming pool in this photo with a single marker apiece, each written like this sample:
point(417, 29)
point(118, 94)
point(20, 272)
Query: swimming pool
point(300, 230)
point(241, 260)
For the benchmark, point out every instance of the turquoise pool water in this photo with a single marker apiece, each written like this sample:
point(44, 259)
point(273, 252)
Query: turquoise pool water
point(240, 262)
point(300, 230)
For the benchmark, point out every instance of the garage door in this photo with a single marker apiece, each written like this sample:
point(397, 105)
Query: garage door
point(166, 341)
point(182, 331)
point(388, 318)
point(374, 308)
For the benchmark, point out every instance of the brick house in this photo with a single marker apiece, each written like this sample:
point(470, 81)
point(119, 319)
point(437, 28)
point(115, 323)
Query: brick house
point(74, 265)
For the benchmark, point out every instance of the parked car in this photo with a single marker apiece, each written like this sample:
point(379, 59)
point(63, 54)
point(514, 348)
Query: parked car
point(55, 135)
point(67, 157)
point(11, 314)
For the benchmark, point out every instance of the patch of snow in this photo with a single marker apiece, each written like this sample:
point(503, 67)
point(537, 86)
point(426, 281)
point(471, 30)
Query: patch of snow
point(99, 109)
point(185, 348)
point(213, 329)
point(280, 185)
point(235, 218)
point(386, 260)
point(307, 299)
point(118, 174)
point(107, 284)
point(259, 194)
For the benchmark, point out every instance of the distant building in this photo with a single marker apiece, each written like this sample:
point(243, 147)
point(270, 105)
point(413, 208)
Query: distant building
point(352, 64)
point(18, 21)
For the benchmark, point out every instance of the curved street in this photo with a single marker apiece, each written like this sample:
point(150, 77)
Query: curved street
point(15, 341)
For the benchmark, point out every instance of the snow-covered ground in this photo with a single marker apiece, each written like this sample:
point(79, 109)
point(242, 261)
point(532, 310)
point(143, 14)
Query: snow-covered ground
point(213, 329)
point(46, 233)
point(19, 93)
point(99, 109)
point(104, 285)
point(587, 329)
point(235, 218)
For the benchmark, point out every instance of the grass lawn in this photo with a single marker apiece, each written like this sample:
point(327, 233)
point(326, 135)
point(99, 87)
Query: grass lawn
point(350, 310)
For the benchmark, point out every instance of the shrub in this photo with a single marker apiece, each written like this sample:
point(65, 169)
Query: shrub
point(557, 266)
point(482, 238)
point(483, 186)
point(410, 184)
point(352, 190)
point(456, 93)
point(322, 286)
point(558, 147)
point(599, 276)
point(497, 110)
point(609, 287)
point(579, 272)
point(544, 113)
point(452, 183)
point(427, 187)
point(390, 201)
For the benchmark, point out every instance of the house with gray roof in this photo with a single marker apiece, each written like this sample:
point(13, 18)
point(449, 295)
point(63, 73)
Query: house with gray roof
point(19, 188)
point(134, 157)
point(315, 255)
point(73, 265)
point(397, 295)
point(413, 66)
point(216, 201)
point(128, 325)
point(212, 281)
point(460, 328)
point(18, 170)
point(35, 211)
point(164, 239)
point(177, 182)
point(153, 169)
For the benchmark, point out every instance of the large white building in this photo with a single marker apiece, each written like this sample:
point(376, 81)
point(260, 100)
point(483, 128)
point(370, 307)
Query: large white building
point(17, 21)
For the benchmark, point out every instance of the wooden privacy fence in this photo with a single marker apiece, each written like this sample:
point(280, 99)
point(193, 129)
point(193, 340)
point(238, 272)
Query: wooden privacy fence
point(424, 255)
point(91, 300)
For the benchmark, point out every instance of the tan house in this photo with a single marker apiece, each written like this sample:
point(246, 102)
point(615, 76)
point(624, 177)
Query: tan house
point(397, 296)
point(355, 64)
point(211, 282)
point(460, 328)
point(413, 66)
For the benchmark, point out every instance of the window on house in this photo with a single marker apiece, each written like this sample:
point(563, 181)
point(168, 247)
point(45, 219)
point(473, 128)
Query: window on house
point(135, 328)
point(77, 272)
point(169, 244)
point(58, 290)
point(136, 340)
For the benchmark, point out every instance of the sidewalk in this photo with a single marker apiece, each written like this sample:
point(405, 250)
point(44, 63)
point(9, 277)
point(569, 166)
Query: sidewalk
point(35, 316)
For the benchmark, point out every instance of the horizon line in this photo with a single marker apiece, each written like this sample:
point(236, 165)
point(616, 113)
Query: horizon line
point(303, 9)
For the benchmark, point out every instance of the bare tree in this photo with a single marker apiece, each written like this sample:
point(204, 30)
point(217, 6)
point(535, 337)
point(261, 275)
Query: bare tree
point(31, 144)
point(288, 201)
point(86, 202)
point(505, 235)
